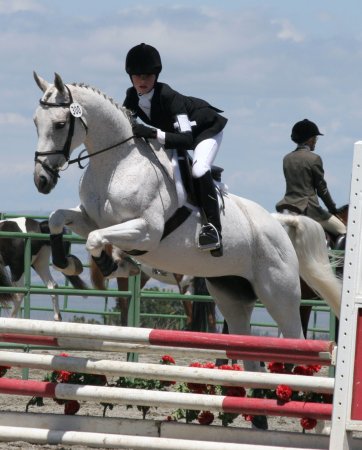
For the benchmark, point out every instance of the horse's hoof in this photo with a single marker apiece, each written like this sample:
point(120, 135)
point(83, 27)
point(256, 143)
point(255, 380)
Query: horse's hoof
point(74, 267)
point(58, 318)
point(125, 268)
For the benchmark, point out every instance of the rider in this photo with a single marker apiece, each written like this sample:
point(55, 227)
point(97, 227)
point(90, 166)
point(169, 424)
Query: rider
point(181, 123)
point(304, 176)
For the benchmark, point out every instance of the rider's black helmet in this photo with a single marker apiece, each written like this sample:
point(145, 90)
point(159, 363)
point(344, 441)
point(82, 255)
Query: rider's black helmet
point(304, 130)
point(143, 59)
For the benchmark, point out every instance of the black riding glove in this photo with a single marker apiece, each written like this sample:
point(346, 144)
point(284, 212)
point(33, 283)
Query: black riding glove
point(141, 131)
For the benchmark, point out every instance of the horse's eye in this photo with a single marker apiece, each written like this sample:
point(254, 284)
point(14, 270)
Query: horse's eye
point(59, 125)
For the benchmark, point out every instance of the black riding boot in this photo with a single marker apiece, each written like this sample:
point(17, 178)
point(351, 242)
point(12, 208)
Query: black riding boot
point(340, 242)
point(210, 235)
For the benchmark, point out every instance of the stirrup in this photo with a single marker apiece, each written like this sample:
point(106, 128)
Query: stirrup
point(209, 238)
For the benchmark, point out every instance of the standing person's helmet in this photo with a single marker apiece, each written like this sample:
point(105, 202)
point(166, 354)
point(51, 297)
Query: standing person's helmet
point(304, 130)
point(143, 59)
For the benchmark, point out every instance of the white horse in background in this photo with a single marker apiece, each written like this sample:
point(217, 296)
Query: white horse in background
point(128, 194)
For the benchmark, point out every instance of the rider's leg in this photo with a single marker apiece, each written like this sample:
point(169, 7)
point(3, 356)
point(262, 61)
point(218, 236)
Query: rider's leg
point(204, 155)
point(337, 228)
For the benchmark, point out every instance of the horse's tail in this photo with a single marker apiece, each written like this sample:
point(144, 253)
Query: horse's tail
point(5, 281)
point(309, 242)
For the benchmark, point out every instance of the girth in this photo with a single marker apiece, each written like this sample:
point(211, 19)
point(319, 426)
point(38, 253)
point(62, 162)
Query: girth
point(177, 219)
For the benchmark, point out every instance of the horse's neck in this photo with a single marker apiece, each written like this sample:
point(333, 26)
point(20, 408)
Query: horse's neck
point(108, 125)
point(107, 122)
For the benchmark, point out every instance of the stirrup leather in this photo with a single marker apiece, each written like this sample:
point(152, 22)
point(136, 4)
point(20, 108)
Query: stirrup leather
point(209, 238)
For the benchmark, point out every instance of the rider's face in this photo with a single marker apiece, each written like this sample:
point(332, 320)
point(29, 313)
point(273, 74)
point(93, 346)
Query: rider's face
point(143, 83)
point(312, 142)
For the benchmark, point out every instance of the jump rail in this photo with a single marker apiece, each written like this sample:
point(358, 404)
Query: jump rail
point(235, 346)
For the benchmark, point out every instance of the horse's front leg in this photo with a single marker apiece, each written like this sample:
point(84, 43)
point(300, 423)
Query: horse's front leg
point(127, 236)
point(79, 223)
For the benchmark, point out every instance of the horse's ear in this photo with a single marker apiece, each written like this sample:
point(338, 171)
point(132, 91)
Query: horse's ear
point(43, 85)
point(58, 83)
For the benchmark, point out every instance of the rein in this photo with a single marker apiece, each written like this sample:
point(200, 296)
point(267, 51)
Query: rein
point(81, 158)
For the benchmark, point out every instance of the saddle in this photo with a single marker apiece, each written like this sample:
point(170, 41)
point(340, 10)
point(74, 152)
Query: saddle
point(185, 164)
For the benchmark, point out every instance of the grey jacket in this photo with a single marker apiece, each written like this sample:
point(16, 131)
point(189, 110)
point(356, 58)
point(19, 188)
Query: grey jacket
point(304, 177)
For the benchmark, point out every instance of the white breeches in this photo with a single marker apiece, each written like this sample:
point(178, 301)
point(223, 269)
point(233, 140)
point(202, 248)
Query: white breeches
point(205, 154)
point(334, 226)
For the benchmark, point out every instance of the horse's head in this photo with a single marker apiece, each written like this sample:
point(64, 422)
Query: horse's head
point(59, 133)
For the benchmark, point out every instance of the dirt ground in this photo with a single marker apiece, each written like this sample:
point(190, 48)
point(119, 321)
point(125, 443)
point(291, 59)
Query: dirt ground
point(18, 403)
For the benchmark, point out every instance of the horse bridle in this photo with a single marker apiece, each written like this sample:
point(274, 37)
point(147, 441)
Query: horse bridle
point(66, 148)
point(67, 145)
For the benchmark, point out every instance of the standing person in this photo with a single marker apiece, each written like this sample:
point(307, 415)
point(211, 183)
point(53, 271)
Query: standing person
point(304, 176)
point(182, 123)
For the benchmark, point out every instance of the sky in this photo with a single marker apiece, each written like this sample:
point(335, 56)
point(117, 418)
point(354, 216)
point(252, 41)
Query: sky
point(266, 64)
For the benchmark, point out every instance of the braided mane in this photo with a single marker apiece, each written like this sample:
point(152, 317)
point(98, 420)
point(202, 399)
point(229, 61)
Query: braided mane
point(125, 111)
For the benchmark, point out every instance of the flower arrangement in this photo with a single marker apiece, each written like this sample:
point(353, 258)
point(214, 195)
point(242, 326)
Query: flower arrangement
point(139, 383)
point(71, 407)
point(207, 417)
point(282, 393)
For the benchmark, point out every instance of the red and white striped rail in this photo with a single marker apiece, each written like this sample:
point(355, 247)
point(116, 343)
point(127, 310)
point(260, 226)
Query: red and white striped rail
point(261, 380)
point(235, 346)
point(135, 397)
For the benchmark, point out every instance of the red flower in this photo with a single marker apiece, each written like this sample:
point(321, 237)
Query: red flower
point(300, 370)
point(236, 367)
point(283, 392)
point(235, 391)
point(315, 367)
point(225, 367)
point(195, 364)
point(209, 365)
point(276, 367)
point(307, 423)
point(64, 354)
point(205, 417)
point(167, 359)
point(248, 417)
point(64, 376)
point(3, 370)
point(197, 388)
point(71, 407)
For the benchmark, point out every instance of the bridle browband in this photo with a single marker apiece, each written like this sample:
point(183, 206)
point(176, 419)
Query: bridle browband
point(66, 148)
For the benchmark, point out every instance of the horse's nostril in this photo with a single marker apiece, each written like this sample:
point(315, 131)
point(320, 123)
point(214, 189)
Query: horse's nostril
point(42, 181)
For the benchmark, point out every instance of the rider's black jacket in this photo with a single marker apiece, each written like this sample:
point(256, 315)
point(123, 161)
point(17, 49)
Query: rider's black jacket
point(166, 105)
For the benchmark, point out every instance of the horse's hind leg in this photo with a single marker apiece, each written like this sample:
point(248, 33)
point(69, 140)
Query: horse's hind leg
point(279, 291)
point(236, 299)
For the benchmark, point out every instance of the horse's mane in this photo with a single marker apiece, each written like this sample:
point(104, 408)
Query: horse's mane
point(121, 108)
